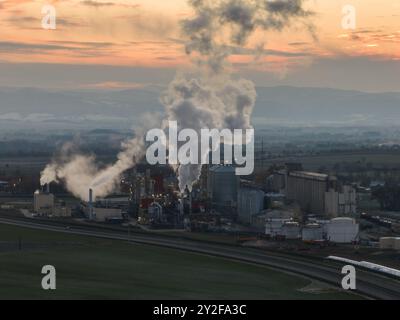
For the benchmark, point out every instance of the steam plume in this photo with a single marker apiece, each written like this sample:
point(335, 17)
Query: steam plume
point(79, 173)
point(213, 99)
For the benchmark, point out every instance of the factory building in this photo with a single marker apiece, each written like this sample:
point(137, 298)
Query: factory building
point(4, 186)
point(316, 193)
point(104, 214)
point(276, 183)
point(155, 212)
point(250, 203)
point(308, 189)
point(101, 214)
point(342, 202)
point(222, 188)
point(102, 210)
point(43, 203)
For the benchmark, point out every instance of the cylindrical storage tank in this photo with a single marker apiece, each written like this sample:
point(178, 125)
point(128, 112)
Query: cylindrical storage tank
point(224, 185)
point(291, 230)
point(342, 230)
point(312, 232)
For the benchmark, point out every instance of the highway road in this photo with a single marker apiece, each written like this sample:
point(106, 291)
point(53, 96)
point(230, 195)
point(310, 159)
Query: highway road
point(369, 284)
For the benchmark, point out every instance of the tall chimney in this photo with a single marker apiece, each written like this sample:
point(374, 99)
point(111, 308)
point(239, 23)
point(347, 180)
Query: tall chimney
point(90, 204)
point(48, 187)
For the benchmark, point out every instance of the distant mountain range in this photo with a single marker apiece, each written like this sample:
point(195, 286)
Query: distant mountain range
point(36, 108)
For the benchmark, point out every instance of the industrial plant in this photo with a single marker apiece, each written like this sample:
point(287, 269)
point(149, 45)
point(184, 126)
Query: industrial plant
point(290, 204)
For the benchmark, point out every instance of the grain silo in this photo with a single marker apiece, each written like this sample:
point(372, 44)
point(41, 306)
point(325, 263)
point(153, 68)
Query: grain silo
point(223, 186)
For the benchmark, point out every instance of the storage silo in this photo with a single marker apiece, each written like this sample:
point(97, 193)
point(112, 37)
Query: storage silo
point(342, 230)
point(312, 232)
point(223, 185)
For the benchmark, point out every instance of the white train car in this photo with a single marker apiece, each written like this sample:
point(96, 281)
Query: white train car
point(368, 265)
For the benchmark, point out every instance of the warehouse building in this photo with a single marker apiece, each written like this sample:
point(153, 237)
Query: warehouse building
point(43, 203)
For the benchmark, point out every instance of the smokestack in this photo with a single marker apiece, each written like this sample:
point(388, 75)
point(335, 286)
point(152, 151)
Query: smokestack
point(90, 204)
point(48, 187)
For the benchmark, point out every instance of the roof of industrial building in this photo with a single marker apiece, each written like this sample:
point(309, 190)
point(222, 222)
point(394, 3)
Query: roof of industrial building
point(222, 169)
point(309, 175)
point(343, 220)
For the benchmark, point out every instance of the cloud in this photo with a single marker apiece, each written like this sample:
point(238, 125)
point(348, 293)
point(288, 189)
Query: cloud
point(34, 117)
point(17, 46)
point(99, 4)
point(46, 117)
point(84, 49)
point(268, 52)
point(115, 85)
point(367, 36)
point(34, 22)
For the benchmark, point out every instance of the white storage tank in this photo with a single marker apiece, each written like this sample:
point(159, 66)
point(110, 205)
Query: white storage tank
point(342, 230)
point(312, 232)
point(291, 230)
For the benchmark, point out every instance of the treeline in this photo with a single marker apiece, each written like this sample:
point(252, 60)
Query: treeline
point(388, 196)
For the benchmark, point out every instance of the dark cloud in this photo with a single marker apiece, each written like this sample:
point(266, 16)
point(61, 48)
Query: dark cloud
point(240, 18)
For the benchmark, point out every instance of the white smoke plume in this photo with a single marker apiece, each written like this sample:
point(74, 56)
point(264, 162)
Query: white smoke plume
point(198, 104)
point(80, 173)
point(213, 99)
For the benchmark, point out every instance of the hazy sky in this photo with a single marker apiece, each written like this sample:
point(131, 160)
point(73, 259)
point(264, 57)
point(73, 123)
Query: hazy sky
point(131, 43)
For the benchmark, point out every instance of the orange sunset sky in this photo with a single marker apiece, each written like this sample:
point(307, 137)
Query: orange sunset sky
point(145, 34)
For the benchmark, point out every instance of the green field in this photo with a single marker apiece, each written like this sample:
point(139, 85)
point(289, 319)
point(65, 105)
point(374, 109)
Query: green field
point(91, 268)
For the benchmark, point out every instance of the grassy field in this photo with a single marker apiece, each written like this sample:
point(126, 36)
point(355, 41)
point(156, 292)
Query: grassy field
point(90, 268)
